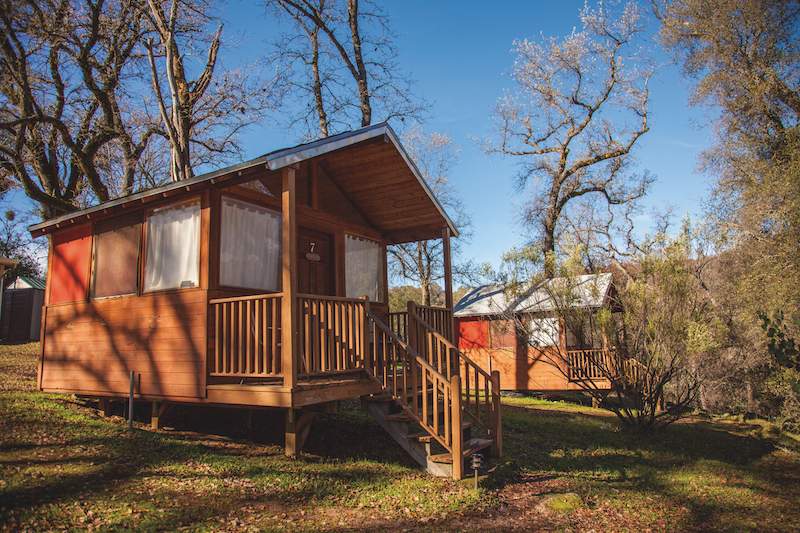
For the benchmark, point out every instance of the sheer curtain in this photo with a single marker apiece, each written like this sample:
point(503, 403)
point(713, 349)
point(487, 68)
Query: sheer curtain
point(250, 251)
point(363, 268)
point(173, 247)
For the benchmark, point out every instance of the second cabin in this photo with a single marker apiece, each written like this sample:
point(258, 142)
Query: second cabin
point(265, 285)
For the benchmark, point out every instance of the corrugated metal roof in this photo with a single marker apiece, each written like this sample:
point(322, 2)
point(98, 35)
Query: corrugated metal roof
point(274, 160)
point(28, 282)
point(589, 290)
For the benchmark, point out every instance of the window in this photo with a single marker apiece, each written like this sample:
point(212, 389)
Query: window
point(116, 260)
point(72, 251)
point(173, 248)
point(543, 332)
point(363, 268)
point(250, 251)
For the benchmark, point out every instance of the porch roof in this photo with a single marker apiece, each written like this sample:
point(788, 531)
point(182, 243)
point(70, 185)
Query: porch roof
point(369, 165)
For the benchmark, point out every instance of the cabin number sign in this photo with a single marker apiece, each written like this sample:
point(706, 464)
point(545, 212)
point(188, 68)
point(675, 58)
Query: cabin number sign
point(311, 255)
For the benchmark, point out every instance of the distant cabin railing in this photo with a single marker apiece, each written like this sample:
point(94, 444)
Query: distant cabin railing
point(588, 364)
point(247, 332)
point(332, 334)
point(439, 318)
point(398, 323)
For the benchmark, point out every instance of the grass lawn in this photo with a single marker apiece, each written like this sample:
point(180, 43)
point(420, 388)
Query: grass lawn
point(565, 468)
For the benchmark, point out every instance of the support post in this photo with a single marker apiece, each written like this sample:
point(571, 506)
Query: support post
point(367, 353)
point(289, 278)
point(496, 413)
point(157, 410)
point(411, 332)
point(105, 407)
point(290, 444)
point(448, 282)
point(455, 427)
point(298, 427)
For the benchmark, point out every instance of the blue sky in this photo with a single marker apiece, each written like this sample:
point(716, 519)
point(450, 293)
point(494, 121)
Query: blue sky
point(460, 55)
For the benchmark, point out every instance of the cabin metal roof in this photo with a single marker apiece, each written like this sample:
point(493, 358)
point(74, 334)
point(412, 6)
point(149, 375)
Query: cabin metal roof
point(27, 282)
point(271, 161)
point(586, 291)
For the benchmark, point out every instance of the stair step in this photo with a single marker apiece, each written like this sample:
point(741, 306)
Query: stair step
point(399, 417)
point(380, 398)
point(470, 447)
point(425, 437)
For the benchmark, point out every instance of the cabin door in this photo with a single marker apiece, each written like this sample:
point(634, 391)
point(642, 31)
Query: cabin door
point(315, 262)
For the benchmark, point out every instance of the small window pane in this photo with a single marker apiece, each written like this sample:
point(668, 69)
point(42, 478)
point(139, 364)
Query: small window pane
point(173, 248)
point(543, 332)
point(363, 268)
point(250, 251)
point(116, 261)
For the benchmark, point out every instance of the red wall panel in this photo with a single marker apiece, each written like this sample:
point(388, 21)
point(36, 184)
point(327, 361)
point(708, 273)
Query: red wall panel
point(473, 333)
point(72, 253)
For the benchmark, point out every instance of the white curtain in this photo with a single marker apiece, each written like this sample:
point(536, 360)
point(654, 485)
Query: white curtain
point(250, 251)
point(173, 248)
point(363, 268)
point(544, 332)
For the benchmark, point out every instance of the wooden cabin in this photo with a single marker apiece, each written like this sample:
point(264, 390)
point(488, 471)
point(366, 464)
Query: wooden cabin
point(264, 284)
point(555, 359)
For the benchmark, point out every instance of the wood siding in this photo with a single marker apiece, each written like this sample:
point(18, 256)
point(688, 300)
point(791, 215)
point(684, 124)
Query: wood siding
point(92, 346)
point(493, 345)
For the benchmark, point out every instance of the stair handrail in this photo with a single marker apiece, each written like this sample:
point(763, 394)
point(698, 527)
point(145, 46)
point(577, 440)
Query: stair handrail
point(412, 356)
point(491, 380)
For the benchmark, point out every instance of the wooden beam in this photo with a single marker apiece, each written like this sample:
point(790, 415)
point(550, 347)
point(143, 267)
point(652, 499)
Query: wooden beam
point(289, 277)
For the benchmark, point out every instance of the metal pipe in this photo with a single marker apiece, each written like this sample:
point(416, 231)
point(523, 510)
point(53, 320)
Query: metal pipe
point(130, 401)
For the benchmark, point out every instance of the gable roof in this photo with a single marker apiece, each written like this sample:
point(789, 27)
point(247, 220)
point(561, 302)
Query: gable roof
point(270, 161)
point(587, 291)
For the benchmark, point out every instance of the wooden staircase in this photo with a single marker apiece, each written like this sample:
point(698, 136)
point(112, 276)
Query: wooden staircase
point(435, 402)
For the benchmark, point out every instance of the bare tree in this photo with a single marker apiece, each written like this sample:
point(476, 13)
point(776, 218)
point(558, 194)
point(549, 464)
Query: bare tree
point(62, 102)
point(580, 108)
point(338, 40)
point(206, 114)
point(422, 263)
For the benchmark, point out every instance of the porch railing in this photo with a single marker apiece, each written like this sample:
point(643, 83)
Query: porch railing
point(589, 364)
point(247, 332)
point(398, 323)
point(332, 334)
point(439, 318)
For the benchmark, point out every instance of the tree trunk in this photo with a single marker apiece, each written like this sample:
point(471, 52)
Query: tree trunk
point(549, 247)
point(318, 101)
point(361, 78)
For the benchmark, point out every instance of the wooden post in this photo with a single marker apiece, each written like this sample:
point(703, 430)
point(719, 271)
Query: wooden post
point(289, 278)
point(290, 445)
point(157, 409)
point(369, 358)
point(411, 332)
point(455, 427)
point(448, 283)
point(498, 422)
point(105, 406)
